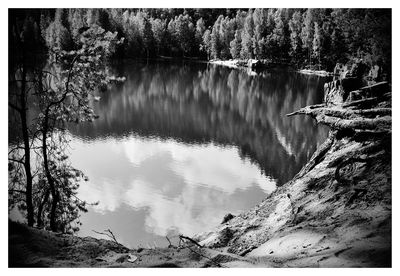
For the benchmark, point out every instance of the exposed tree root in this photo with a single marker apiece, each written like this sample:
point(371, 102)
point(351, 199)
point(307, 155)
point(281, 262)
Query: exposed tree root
point(341, 112)
point(362, 103)
point(318, 156)
point(375, 120)
point(377, 124)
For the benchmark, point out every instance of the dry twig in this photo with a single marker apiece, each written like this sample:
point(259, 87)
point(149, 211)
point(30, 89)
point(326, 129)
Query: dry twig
point(109, 234)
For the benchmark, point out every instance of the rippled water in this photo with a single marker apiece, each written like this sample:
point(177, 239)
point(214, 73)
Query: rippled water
point(177, 146)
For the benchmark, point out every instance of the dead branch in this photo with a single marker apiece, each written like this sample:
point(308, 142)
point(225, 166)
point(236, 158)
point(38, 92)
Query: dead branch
point(208, 258)
point(170, 244)
point(109, 234)
point(182, 237)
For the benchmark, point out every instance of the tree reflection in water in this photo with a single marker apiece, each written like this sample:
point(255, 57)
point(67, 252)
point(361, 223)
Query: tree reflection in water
point(198, 103)
point(177, 146)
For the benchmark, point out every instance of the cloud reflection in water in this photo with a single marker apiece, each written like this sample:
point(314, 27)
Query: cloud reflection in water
point(183, 188)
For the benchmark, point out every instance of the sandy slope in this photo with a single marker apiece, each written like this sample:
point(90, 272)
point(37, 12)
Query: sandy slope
point(30, 247)
point(337, 211)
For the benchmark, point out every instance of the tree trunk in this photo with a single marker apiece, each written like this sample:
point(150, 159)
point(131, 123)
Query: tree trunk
point(319, 60)
point(40, 208)
point(50, 180)
point(27, 161)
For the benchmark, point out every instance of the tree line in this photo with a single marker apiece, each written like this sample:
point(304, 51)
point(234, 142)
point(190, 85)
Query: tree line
point(319, 37)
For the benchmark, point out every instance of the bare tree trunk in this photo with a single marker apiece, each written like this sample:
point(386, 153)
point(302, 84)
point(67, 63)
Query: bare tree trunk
point(319, 60)
point(27, 161)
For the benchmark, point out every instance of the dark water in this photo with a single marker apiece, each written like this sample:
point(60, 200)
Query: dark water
point(177, 146)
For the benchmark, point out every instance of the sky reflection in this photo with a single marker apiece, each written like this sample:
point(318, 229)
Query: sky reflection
point(181, 188)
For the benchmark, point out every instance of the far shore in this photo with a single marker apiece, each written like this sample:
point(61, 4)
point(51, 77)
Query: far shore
point(235, 63)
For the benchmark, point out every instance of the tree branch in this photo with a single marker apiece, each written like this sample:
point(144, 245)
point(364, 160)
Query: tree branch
point(15, 107)
point(17, 160)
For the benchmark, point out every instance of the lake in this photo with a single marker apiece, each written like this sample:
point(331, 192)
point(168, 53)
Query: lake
point(179, 145)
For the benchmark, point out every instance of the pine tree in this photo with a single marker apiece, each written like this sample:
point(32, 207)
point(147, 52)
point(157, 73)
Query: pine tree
point(76, 21)
point(295, 25)
point(206, 45)
point(200, 29)
point(184, 33)
point(246, 51)
point(57, 35)
point(317, 41)
point(260, 27)
point(92, 17)
point(158, 27)
point(215, 38)
point(147, 34)
point(235, 45)
point(279, 34)
point(307, 32)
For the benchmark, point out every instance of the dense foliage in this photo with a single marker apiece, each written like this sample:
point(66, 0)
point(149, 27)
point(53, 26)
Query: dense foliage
point(42, 183)
point(302, 36)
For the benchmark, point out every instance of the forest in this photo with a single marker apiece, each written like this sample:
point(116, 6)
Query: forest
point(316, 37)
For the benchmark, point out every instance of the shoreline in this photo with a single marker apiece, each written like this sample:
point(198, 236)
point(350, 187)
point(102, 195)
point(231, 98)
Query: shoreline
point(321, 73)
point(227, 63)
point(238, 64)
point(336, 212)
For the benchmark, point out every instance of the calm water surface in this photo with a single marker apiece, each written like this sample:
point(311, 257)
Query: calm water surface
point(177, 146)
